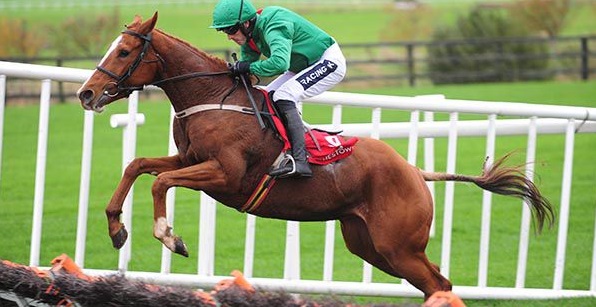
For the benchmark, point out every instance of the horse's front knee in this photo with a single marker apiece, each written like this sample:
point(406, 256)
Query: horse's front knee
point(133, 169)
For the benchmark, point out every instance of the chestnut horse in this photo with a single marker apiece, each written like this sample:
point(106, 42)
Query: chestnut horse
point(382, 202)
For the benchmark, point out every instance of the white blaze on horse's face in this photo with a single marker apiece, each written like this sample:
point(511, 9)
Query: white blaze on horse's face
point(110, 50)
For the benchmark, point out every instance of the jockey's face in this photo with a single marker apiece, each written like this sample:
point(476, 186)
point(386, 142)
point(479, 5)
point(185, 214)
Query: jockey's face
point(237, 36)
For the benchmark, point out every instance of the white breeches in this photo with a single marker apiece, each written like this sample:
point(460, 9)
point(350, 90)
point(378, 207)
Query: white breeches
point(324, 74)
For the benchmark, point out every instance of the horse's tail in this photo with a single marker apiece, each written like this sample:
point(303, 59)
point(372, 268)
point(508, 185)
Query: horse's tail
point(506, 180)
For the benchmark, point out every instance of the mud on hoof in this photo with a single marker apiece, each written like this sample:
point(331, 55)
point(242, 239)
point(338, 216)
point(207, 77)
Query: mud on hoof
point(180, 247)
point(119, 238)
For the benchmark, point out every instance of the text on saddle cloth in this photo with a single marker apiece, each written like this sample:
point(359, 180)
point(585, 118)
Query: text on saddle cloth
point(324, 147)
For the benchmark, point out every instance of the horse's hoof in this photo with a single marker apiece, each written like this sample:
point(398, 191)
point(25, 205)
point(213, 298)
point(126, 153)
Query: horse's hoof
point(119, 238)
point(180, 247)
point(443, 298)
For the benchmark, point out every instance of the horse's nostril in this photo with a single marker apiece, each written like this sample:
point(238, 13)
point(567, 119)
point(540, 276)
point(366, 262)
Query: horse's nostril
point(86, 96)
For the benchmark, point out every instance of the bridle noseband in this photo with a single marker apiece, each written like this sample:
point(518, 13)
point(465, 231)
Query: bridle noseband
point(120, 79)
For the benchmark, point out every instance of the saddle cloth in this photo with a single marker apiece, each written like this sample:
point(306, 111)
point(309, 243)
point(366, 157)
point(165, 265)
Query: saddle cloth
point(323, 147)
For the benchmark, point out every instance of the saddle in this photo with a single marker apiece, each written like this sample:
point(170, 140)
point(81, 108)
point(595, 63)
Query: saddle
point(323, 147)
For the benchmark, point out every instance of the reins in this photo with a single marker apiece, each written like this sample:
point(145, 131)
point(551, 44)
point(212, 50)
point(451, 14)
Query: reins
point(120, 79)
point(190, 76)
point(252, 100)
point(194, 109)
point(146, 44)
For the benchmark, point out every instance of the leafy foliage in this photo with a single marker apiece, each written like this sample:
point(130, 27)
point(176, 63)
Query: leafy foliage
point(548, 16)
point(409, 24)
point(472, 52)
point(75, 36)
point(18, 39)
point(83, 36)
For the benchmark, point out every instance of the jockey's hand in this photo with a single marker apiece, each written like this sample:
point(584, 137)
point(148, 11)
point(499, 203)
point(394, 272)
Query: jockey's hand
point(239, 68)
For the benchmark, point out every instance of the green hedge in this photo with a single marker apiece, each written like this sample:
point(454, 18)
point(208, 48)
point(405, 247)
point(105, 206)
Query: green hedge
point(471, 51)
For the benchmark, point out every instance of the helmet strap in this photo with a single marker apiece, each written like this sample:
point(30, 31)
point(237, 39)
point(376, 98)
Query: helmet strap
point(247, 31)
point(240, 12)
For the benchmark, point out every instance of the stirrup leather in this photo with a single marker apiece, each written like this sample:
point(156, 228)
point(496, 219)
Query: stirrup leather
point(286, 167)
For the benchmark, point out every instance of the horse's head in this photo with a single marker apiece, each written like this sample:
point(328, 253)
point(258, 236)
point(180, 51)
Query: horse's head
point(128, 65)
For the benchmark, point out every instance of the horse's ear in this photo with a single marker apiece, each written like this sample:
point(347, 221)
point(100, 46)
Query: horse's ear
point(136, 20)
point(148, 25)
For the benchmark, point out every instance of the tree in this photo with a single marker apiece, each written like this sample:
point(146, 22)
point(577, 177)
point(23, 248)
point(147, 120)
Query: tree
point(546, 16)
point(18, 40)
point(475, 50)
point(84, 36)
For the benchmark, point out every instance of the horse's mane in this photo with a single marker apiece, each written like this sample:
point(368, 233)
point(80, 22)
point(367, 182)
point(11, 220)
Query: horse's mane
point(194, 49)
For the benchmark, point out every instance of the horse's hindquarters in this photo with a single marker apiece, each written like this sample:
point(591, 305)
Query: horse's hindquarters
point(390, 228)
point(394, 186)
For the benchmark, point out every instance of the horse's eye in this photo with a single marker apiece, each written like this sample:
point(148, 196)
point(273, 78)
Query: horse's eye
point(123, 53)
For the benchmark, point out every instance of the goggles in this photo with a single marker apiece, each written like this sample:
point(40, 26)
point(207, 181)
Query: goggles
point(231, 30)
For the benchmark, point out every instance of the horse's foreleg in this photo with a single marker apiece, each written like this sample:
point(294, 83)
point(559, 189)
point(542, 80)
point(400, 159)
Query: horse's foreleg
point(137, 167)
point(205, 176)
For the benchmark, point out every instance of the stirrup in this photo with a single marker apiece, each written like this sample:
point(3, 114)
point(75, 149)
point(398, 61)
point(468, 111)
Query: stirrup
point(285, 168)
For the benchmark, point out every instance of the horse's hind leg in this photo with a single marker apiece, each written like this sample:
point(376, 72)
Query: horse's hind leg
point(397, 257)
point(358, 242)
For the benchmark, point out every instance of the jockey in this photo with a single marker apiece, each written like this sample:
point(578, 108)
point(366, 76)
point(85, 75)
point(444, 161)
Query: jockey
point(306, 60)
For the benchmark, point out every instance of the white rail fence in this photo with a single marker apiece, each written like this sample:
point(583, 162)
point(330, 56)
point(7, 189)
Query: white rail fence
point(536, 119)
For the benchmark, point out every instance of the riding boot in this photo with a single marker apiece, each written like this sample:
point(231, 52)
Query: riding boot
point(295, 130)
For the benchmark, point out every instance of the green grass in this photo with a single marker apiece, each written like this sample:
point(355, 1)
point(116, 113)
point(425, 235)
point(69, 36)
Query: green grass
point(61, 197)
point(364, 24)
point(556, 93)
point(354, 24)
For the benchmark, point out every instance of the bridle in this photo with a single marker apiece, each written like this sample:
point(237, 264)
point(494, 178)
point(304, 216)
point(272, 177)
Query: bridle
point(119, 83)
point(120, 88)
point(121, 79)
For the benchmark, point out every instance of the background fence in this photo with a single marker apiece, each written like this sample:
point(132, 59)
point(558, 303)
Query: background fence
point(532, 120)
point(413, 63)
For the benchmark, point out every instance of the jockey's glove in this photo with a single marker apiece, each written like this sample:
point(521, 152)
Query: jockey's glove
point(239, 68)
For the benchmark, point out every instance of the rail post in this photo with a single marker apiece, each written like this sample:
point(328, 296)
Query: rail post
point(129, 123)
point(585, 69)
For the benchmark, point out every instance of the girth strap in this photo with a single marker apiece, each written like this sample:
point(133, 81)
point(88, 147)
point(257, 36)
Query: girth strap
point(207, 107)
point(263, 188)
